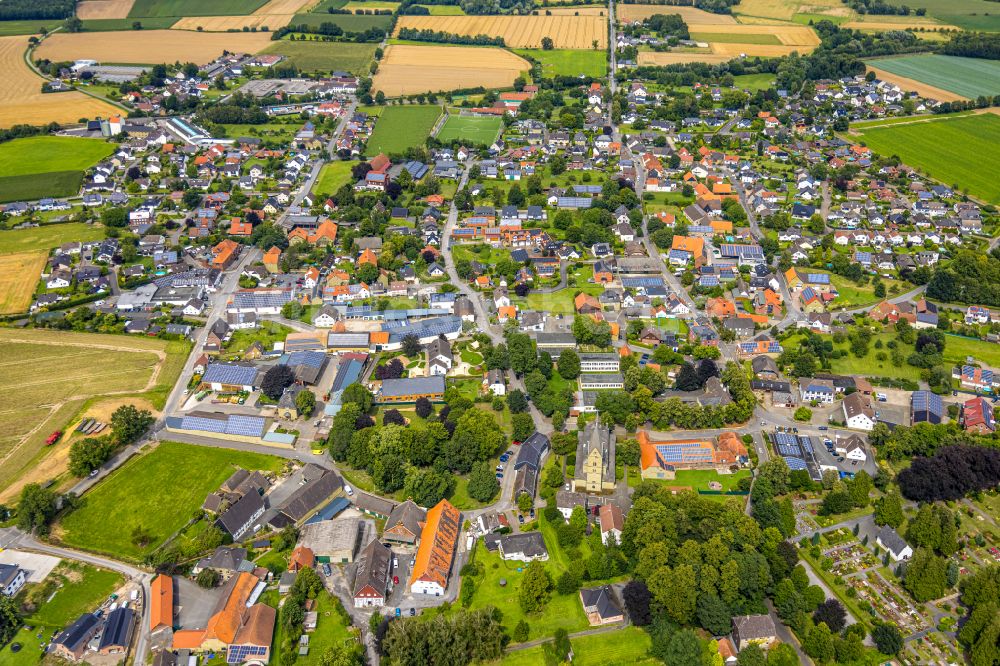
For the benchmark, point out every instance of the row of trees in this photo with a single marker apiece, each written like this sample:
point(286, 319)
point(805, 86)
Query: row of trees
point(441, 37)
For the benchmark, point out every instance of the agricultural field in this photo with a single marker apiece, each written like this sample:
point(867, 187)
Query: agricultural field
point(48, 377)
point(326, 56)
point(366, 6)
point(444, 10)
point(147, 23)
point(569, 62)
point(593, 10)
point(27, 27)
point(21, 94)
point(730, 38)
point(18, 275)
point(60, 161)
point(660, 59)
point(46, 236)
point(103, 9)
point(144, 492)
point(347, 22)
point(470, 128)
point(754, 82)
point(690, 15)
point(966, 77)
point(274, 14)
point(567, 32)
point(966, 14)
point(143, 8)
point(43, 154)
point(401, 127)
point(333, 176)
point(962, 151)
point(408, 69)
point(145, 47)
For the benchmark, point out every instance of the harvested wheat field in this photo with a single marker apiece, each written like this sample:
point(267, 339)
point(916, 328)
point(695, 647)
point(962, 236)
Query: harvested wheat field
point(19, 274)
point(921, 89)
point(21, 98)
point(526, 32)
point(103, 9)
point(676, 58)
point(629, 13)
point(148, 47)
point(408, 70)
point(274, 14)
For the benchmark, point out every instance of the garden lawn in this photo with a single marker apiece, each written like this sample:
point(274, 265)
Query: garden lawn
point(401, 127)
point(333, 176)
point(568, 62)
point(83, 588)
point(956, 348)
point(330, 630)
point(754, 82)
point(159, 491)
point(561, 612)
point(850, 295)
point(326, 56)
point(700, 478)
point(267, 334)
point(628, 645)
point(961, 151)
point(471, 129)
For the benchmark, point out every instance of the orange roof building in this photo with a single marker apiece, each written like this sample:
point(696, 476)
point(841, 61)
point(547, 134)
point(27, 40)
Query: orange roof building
point(224, 253)
point(694, 246)
point(436, 552)
point(161, 603)
point(368, 257)
point(661, 459)
point(720, 307)
point(301, 558)
point(506, 312)
point(586, 304)
point(271, 259)
point(238, 227)
point(236, 624)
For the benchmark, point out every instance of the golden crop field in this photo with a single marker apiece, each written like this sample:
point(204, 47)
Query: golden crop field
point(408, 70)
point(629, 13)
point(103, 9)
point(18, 275)
point(274, 14)
point(146, 47)
point(22, 100)
point(676, 58)
point(566, 32)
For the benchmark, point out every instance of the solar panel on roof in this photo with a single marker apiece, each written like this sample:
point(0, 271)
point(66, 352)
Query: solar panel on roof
point(642, 282)
point(795, 463)
point(247, 426)
point(202, 423)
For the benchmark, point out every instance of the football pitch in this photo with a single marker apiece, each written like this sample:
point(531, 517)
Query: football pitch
point(470, 128)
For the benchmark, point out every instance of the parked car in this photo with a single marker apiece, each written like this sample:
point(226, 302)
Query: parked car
point(326, 570)
point(53, 438)
point(395, 580)
point(499, 475)
point(824, 428)
point(520, 519)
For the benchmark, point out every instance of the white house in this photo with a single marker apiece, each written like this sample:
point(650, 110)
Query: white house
point(494, 383)
point(889, 539)
point(858, 412)
point(852, 448)
point(12, 579)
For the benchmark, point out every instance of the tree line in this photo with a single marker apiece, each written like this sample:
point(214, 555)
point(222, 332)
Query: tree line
point(441, 37)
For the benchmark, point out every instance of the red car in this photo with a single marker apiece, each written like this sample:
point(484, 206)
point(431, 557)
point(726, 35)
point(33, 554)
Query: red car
point(395, 580)
point(516, 443)
point(53, 438)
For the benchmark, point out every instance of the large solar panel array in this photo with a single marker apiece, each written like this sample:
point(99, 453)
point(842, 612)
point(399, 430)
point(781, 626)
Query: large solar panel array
point(709, 280)
point(743, 251)
point(795, 463)
point(312, 359)
point(679, 254)
point(257, 299)
point(786, 444)
point(817, 278)
point(926, 401)
point(226, 373)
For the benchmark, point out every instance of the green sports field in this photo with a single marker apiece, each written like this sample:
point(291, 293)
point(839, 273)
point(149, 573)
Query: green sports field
point(969, 77)
point(470, 128)
point(194, 8)
point(326, 56)
point(401, 127)
point(962, 151)
point(159, 491)
point(568, 62)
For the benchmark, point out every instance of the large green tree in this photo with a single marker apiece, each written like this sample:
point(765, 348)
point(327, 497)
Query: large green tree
point(483, 484)
point(535, 587)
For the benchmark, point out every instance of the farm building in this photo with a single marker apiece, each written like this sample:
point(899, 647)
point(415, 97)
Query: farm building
point(403, 524)
point(334, 540)
point(410, 389)
point(660, 459)
point(371, 581)
point(436, 552)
